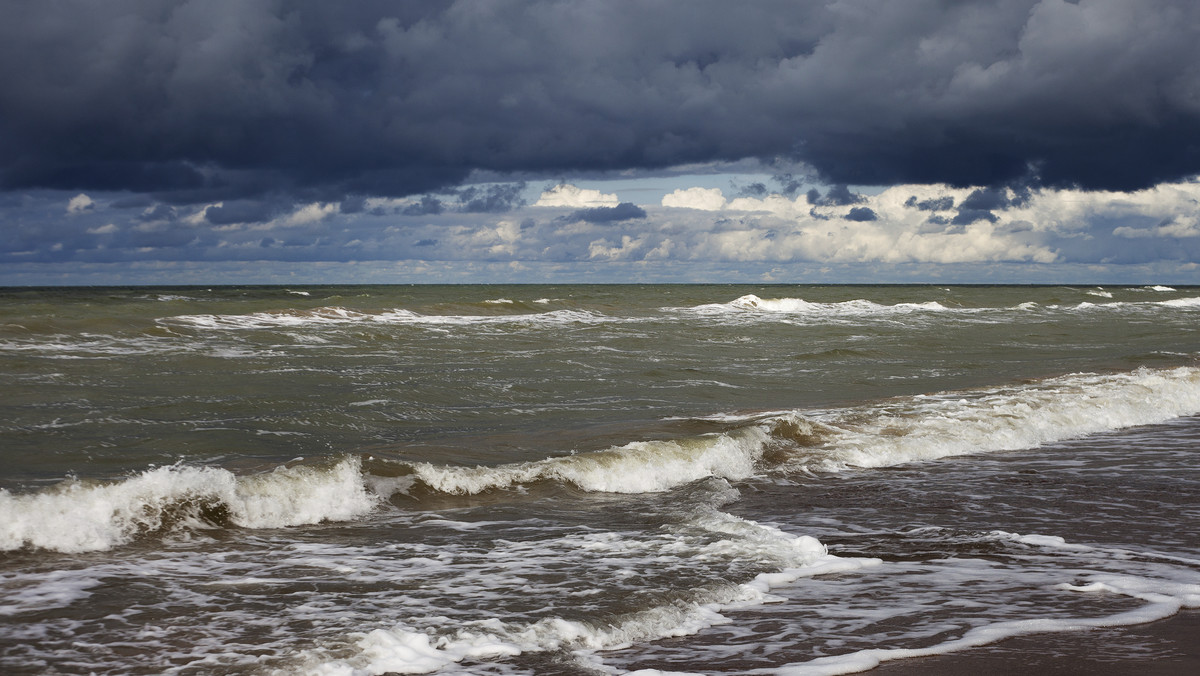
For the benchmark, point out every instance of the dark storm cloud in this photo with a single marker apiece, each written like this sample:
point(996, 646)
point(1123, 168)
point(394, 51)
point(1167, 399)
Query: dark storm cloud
point(205, 101)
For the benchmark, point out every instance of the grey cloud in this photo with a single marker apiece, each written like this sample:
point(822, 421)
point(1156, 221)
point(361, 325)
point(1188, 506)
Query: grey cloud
point(491, 199)
point(932, 204)
point(353, 204)
point(753, 190)
point(986, 199)
point(837, 196)
point(982, 202)
point(861, 214)
point(625, 211)
point(969, 216)
point(429, 205)
point(785, 184)
point(789, 186)
point(198, 101)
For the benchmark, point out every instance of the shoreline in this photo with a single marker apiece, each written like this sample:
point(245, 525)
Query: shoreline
point(1167, 647)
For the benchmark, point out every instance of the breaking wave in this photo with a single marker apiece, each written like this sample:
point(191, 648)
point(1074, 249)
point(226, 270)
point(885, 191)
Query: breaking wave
point(1021, 417)
point(80, 516)
point(892, 433)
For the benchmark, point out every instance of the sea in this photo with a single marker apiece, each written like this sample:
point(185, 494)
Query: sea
point(588, 479)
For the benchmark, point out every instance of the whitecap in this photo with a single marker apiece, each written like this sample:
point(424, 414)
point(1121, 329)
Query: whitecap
point(987, 420)
point(76, 516)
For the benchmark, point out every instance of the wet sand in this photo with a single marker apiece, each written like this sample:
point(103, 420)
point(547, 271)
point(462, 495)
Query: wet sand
point(1169, 647)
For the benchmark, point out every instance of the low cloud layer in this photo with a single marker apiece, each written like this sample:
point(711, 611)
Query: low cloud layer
point(198, 101)
point(926, 226)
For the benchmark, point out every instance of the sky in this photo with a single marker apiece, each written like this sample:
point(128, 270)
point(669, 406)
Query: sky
point(494, 141)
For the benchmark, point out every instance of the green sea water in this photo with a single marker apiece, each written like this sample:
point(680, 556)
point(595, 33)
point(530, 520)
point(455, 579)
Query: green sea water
point(585, 479)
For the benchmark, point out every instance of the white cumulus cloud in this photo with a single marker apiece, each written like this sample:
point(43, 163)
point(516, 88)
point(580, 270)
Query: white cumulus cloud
point(567, 195)
point(79, 204)
point(704, 199)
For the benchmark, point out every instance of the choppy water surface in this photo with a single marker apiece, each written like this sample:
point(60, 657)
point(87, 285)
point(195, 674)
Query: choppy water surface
point(587, 479)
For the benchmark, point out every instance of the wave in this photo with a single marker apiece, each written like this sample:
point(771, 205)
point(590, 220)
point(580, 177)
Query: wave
point(81, 516)
point(795, 306)
point(78, 516)
point(638, 467)
point(1028, 416)
point(1181, 302)
point(333, 316)
point(752, 306)
point(892, 433)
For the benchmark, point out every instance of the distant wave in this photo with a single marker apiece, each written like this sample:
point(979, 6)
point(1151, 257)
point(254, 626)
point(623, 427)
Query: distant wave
point(753, 307)
point(796, 306)
point(1181, 302)
point(331, 316)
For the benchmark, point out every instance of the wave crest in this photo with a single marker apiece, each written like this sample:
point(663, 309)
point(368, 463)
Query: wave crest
point(1028, 416)
point(638, 467)
point(79, 516)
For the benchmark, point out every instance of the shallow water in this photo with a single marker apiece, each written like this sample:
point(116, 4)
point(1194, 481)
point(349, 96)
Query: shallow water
point(573, 479)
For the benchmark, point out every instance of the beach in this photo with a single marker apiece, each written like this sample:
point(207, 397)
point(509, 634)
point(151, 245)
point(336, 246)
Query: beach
point(1164, 648)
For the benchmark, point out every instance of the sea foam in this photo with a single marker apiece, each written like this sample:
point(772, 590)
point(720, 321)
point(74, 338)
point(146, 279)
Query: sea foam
point(405, 649)
point(1162, 599)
